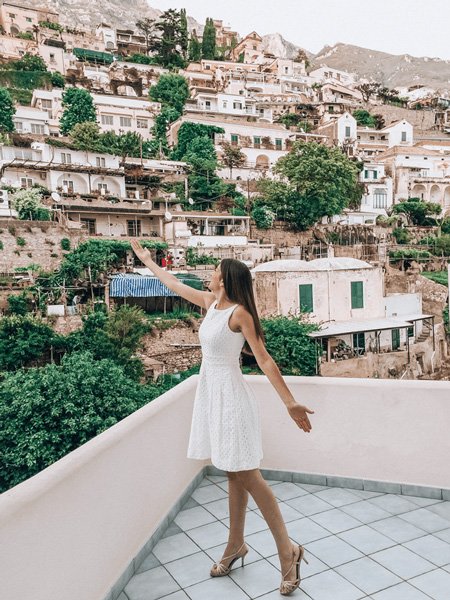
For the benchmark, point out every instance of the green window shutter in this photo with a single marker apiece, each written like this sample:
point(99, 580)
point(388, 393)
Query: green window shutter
point(306, 298)
point(395, 339)
point(234, 137)
point(357, 294)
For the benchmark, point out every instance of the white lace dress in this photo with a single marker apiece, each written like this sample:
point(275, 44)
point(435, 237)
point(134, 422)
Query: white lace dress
point(225, 421)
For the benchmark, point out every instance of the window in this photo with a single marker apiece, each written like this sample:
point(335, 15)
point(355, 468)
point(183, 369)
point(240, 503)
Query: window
point(66, 158)
point(19, 126)
point(374, 174)
point(359, 343)
point(91, 225)
point(134, 228)
point(125, 121)
point(395, 339)
point(26, 182)
point(11, 15)
point(52, 58)
point(67, 185)
point(142, 123)
point(366, 174)
point(403, 136)
point(208, 104)
point(257, 141)
point(37, 128)
point(224, 104)
point(278, 144)
point(107, 120)
point(348, 132)
point(237, 105)
point(411, 331)
point(28, 19)
point(102, 188)
point(380, 198)
point(100, 161)
point(234, 139)
point(306, 298)
point(357, 294)
point(331, 109)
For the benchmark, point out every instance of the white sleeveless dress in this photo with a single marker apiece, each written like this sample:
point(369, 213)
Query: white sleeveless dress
point(225, 421)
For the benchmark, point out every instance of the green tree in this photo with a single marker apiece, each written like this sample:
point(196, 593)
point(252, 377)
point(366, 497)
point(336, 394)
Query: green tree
point(46, 413)
point(167, 44)
point(368, 90)
point(288, 343)
point(158, 146)
point(364, 118)
point(232, 157)
point(28, 204)
point(188, 132)
point(7, 111)
point(315, 182)
point(418, 212)
point(209, 40)
point(184, 33)
point(203, 182)
point(78, 108)
point(29, 62)
point(172, 91)
point(195, 48)
point(147, 27)
point(263, 216)
point(86, 136)
point(58, 80)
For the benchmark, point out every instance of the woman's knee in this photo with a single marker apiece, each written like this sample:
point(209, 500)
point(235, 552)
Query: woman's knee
point(248, 478)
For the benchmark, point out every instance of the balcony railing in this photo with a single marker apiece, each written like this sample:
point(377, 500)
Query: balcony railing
point(70, 531)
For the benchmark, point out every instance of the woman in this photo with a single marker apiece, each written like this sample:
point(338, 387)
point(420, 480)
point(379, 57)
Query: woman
point(225, 422)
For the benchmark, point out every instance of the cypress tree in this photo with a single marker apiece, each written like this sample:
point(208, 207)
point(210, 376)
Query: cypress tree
point(7, 111)
point(209, 40)
point(195, 48)
point(184, 35)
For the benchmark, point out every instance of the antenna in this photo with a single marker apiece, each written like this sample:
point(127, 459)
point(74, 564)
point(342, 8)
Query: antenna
point(191, 202)
point(168, 215)
point(56, 197)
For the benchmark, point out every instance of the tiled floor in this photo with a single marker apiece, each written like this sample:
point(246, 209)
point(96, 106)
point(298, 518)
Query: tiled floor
point(359, 545)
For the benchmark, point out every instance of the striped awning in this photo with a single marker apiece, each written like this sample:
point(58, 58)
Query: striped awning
point(140, 286)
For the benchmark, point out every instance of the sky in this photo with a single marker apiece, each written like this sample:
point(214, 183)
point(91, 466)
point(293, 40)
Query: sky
point(416, 27)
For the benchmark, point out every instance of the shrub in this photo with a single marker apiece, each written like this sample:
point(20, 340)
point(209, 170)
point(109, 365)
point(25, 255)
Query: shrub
point(24, 339)
point(65, 244)
point(263, 217)
point(193, 258)
point(1, 245)
point(402, 236)
point(57, 80)
point(20, 241)
point(18, 305)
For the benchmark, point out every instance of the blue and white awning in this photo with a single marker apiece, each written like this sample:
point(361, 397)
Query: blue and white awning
point(139, 286)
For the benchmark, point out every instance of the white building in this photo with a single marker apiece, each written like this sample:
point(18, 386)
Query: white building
point(31, 121)
point(237, 105)
point(326, 74)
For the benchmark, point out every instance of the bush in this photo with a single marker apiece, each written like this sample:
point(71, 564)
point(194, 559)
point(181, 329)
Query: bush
point(193, 258)
point(47, 412)
point(20, 241)
point(263, 216)
point(24, 340)
point(402, 236)
point(28, 204)
point(18, 305)
point(57, 80)
point(65, 244)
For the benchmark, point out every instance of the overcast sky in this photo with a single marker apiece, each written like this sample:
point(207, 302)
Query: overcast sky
point(417, 27)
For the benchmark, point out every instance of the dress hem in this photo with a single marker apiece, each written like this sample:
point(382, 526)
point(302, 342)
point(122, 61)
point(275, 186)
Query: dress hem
point(222, 467)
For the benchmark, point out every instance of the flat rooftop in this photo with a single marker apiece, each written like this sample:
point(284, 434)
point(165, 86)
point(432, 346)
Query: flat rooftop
point(359, 544)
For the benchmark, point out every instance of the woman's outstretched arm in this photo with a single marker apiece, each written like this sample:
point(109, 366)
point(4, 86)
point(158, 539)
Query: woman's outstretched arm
point(243, 321)
point(203, 299)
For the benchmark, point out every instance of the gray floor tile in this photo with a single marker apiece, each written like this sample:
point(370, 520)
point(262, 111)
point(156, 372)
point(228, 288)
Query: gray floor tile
point(403, 591)
point(287, 512)
point(223, 486)
point(436, 584)
point(365, 494)
point(365, 511)
point(205, 482)
point(313, 567)
point(190, 569)
point(218, 588)
point(216, 554)
point(287, 491)
point(366, 539)
point(173, 547)
point(432, 548)
point(311, 487)
point(217, 478)
point(402, 562)
point(151, 585)
point(442, 509)
point(262, 542)
point(253, 523)
point(208, 494)
point(393, 504)
point(397, 529)
point(193, 517)
point(172, 529)
point(257, 578)
point(333, 551)
point(419, 501)
point(209, 535)
point(426, 520)
point(335, 520)
point(368, 575)
point(190, 503)
point(149, 562)
point(443, 535)
point(180, 595)
point(305, 530)
point(329, 585)
point(218, 508)
point(122, 596)
point(337, 496)
point(309, 505)
point(299, 595)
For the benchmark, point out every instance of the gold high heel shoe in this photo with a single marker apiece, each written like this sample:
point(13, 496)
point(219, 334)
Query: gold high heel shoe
point(287, 587)
point(219, 569)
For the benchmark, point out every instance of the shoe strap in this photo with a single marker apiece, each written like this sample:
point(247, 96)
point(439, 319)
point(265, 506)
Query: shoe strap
point(231, 555)
point(294, 562)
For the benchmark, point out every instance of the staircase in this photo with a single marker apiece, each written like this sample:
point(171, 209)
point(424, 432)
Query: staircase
point(425, 333)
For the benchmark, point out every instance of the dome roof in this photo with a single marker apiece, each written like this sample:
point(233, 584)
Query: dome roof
point(319, 264)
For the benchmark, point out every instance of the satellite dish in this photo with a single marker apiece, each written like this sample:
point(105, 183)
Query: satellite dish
point(56, 197)
point(191, 202)
point(168, 215)
point(4, 180)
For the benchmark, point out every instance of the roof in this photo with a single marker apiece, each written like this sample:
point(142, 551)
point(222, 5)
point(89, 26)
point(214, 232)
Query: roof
point(139, 286)
point(319, 264)
point(223, 119)
point(410, 150)
point(345, 327)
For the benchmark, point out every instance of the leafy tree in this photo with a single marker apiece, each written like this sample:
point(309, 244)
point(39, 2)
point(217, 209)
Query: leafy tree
point(148, 28)
point(315, 182)
point(126, 144)
point(58, 80)
point(364, 118)
point(46, 413)
point(168, 44)
point(78, 108)
point(29, 62)
point(289, 119)
point(7, 111)
point(24, 339)
point(195, 48)
point(203, 182)
point(368, 90)
point(401, 235)
point(232, 157)
point(209, 40)
point(86, 136)
point(189, 131)
point(288, 343)
point(184, 33)
point(302, 57)
point(263, 216)
point(28, 204)
point(18, 304)
point(142, 59)
point(172, 91)
point(418, 212)
point(158, 147)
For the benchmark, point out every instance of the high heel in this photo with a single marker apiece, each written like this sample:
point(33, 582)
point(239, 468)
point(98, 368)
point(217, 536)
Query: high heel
point(287, 587)
point(219, 569)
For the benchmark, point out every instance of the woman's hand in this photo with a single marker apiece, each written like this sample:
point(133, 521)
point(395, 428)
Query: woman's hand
point(299, 413)
point(142, 253)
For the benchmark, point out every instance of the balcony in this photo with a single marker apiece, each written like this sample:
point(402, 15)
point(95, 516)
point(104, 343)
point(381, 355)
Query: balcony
point(365, 492)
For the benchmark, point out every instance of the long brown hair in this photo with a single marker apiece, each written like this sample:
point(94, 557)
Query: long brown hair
point(237, 281)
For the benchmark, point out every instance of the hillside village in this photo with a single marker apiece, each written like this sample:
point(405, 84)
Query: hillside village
point(108, 134)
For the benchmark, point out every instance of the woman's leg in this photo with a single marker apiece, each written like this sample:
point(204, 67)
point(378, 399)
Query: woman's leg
point(257, 487)
point(237, 504)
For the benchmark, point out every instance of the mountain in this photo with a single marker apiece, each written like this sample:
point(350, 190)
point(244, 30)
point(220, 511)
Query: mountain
point(274, 43)
point(391, 70)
